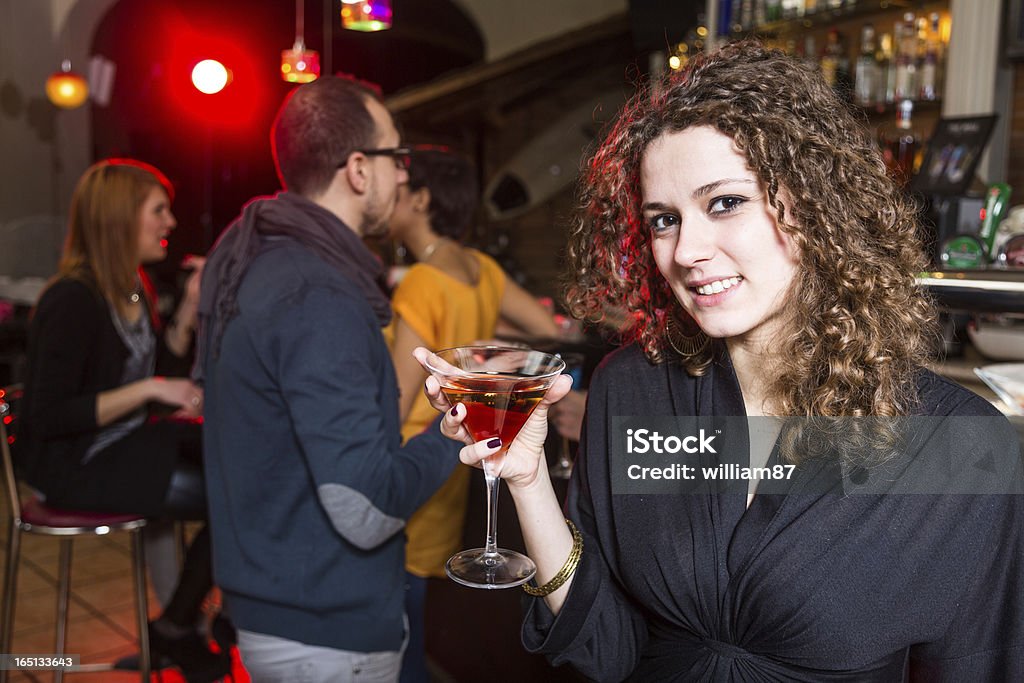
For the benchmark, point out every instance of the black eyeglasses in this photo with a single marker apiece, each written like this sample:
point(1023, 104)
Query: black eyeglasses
point(400, 155)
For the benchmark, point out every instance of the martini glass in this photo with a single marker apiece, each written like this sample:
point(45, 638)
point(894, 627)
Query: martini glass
point(500, 387)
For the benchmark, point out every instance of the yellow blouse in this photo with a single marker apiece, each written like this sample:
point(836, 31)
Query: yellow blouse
point(444, 312)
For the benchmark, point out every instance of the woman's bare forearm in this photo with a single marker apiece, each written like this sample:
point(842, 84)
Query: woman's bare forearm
point(548, 539)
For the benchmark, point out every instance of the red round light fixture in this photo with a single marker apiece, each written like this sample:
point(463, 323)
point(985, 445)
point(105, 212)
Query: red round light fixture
point(210, 76)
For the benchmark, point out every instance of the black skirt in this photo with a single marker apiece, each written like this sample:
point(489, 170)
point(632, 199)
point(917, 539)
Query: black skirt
point(132, 474)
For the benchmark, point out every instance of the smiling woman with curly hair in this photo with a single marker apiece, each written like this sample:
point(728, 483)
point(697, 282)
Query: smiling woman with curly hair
point(743, 219)
point(860, 327)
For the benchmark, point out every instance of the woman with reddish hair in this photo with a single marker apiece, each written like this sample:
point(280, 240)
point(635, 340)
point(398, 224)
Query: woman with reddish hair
point(99, 359)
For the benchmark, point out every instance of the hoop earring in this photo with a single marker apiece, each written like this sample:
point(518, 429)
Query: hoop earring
point(685, 345)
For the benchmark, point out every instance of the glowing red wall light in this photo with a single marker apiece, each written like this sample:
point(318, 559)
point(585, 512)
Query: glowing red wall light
point(241, 100)
point(210, 76)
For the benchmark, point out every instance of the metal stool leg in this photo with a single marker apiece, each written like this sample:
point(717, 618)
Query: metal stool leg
point(63, 592)
point(141, 604)
point(9, 596)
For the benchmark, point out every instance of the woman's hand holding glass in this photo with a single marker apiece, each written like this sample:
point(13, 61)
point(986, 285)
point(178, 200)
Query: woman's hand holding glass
point(501, 396)
point(524, 461)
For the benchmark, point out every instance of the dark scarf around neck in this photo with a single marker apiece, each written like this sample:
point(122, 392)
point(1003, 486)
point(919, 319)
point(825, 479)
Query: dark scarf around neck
point(284, 215)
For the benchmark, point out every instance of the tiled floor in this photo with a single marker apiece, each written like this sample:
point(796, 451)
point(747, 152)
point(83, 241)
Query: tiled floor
point(473, 635)
point(101, 623)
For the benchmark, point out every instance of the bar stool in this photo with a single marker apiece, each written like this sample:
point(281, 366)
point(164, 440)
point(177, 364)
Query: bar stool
point(35, 517)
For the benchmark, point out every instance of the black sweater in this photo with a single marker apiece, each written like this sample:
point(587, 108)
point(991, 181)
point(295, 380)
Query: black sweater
point(820, 586)
point(74, 353)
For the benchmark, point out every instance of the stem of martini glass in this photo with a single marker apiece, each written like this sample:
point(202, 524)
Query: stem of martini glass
point(491, 463)
point(491, 547)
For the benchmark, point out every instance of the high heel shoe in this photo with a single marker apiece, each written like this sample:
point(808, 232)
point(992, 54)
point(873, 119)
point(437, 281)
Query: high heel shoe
point(190, 654)
point(223, 632)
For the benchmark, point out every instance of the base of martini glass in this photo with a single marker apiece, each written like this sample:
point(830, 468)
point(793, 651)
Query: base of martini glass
point(503, 568)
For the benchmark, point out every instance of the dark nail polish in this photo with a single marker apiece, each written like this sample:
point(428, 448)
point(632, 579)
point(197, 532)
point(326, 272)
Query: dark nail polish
point(455, 411)
point(494, 443)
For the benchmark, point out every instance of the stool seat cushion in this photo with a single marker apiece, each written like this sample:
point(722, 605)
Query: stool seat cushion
point(37, 513)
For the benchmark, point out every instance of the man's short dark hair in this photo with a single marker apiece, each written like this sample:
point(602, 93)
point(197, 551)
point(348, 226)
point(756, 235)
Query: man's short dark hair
point(318, 126)
point(454, 191)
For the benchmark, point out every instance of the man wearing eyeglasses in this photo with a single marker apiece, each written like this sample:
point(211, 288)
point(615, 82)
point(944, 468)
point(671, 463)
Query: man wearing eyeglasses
point(308, 482)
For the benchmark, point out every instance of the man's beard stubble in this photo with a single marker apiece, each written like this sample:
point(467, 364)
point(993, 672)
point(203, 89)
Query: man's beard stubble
point(374, 222)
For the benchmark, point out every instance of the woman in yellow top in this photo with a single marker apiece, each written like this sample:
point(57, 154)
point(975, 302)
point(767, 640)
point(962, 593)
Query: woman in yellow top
point(453, 295)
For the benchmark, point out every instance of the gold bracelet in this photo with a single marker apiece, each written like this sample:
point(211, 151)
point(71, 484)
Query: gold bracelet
point(567, 570)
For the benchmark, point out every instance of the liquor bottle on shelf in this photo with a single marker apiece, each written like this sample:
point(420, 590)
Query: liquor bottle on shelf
point(900, 143)
point(887, 71)
point(759, 12)
point(835, 65)
point(811, 6)
point(931, 62)
point(868, 74)
point(792, 9)
point(747, 14)
point(772, 10)
point(906, 58)
point(808, 50)
point(830, 58)
point(725, 18)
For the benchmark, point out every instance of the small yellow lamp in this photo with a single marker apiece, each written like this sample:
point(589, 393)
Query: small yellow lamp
point(65, 88)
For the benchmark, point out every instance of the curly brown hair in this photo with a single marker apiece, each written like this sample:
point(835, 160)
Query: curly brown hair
point(861, 326)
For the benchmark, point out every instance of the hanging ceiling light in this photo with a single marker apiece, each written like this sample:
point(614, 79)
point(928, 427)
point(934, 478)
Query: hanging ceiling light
point(299, 65)
point(65, 88)
point(366, 15)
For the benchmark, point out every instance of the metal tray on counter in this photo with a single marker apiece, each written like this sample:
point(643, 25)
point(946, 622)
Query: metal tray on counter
point(988, 290)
